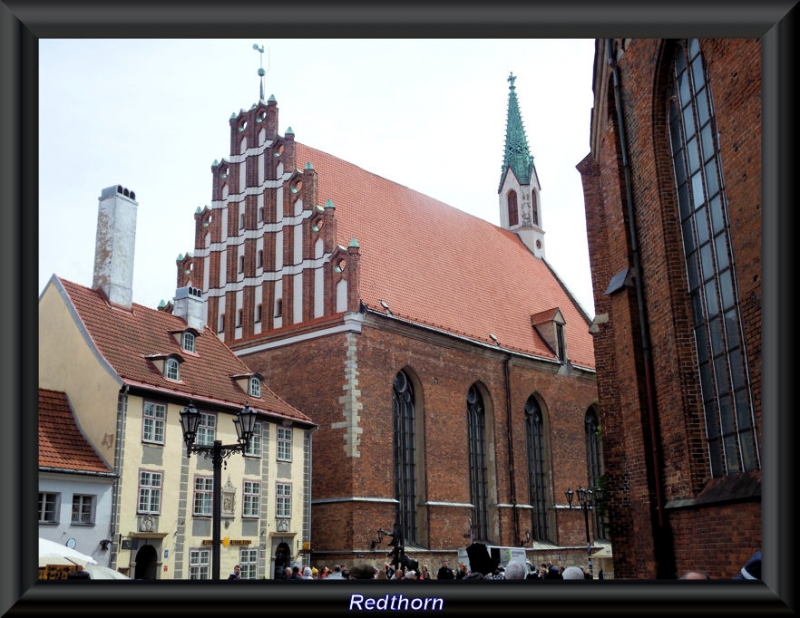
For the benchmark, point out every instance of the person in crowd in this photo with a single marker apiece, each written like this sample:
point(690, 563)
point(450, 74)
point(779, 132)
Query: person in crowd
point(425, 572)
point(516, 570)
point(381, 574)
point(587, 574)
point(463, 571)
point(237, 573)
point(398, 574)
point(411, 574)
point(361, 571)
point(445, 572)
point(752, 568)
point(296, 574)
point(572, 572)
point(336, 574)
point(79, 573)
point(307, 573)
point(389, 570)
point(553, 573)
point(315, 572)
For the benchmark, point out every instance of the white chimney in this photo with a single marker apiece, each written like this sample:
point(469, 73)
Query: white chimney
point(189, 305)
point(115, 244)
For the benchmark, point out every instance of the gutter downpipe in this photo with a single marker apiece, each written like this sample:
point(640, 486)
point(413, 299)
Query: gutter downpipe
point(646, 349)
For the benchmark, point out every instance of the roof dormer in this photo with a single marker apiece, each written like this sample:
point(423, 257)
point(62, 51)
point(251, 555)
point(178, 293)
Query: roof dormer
point(169, 365)
point(550, 326)
point(250, 383)
point(187, 339)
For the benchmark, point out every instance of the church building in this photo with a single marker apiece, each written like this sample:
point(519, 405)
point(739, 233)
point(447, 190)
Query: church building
point(449, 369)
point(672, 191)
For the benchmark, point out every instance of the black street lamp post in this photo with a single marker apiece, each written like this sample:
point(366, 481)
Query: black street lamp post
point(244, 422)
point(586, 498)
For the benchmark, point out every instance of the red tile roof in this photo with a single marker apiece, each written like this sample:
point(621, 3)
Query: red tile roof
point(126, 338)
point(436, 265)
point(62, 446)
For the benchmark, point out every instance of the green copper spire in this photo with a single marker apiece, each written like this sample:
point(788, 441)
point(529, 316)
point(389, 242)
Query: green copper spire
point(517, 155)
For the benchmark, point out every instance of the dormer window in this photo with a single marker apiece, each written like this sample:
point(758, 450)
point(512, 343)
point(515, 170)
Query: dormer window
point(550, 325)
point(188, 341)
point(172, 369)
point(250, 383)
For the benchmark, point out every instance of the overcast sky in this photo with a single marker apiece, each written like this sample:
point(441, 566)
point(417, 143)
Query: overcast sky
point(152, 115)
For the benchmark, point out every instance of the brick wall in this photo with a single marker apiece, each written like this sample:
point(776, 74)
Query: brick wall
point(654, 431)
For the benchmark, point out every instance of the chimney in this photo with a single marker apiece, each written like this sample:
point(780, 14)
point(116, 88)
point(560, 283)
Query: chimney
point(115, 244)
point(190, 306)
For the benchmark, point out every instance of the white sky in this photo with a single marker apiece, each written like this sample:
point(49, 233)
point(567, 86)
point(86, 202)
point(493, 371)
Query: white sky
point(152, 116)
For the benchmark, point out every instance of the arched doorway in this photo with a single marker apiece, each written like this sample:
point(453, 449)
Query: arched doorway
point(282, 557)
point(146, 563)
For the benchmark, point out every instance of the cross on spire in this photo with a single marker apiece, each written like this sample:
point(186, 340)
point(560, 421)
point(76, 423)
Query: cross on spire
point(261, 72)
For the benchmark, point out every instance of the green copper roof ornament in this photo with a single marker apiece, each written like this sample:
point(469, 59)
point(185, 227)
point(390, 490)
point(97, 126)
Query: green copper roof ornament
point(261, 71)
point(517, 155)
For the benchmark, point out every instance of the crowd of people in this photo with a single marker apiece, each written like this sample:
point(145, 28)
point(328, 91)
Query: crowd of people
point(513, 570)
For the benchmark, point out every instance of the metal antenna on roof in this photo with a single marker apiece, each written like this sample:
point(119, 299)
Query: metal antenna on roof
point(261, 71)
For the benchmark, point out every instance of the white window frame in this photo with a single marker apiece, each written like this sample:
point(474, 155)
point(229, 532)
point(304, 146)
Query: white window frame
point(203, 497)
point(251, 498)
point(199, 564)
point(188, 342)
point(83, 505)
point(254, 446)
point(150, 484)
point(285, 443)
point(154, 422)
point(172, 369)
point(207, 429)
point(255, 387)
point(283, 500)
point(49, 507)
point(248, 560)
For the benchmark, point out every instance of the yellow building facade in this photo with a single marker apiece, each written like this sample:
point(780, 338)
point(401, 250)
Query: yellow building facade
point(128, 372)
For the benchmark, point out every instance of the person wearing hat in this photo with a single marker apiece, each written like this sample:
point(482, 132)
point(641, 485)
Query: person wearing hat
point(314, 573)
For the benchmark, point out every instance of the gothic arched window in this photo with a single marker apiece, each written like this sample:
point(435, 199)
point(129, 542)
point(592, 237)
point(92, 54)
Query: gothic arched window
point(594, 468)
point(513, 209)
point(702, 203)
point(476, 436)
point(405, 473)
point(537, 476)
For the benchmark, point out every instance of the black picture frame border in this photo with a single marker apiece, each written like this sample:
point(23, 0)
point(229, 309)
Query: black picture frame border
point(24, 22)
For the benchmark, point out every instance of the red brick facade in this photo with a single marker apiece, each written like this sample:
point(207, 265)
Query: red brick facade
point(667, 514)
point(326, 247)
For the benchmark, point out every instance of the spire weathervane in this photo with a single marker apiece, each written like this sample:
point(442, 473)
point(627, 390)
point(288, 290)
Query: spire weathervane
point(261, 71)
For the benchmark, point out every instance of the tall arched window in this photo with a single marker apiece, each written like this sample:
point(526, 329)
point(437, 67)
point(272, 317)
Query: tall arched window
point(405, 479)
point(476, 435)
point(722, 359)
point(513, 210)
point(594, 469)
point(534, 433)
